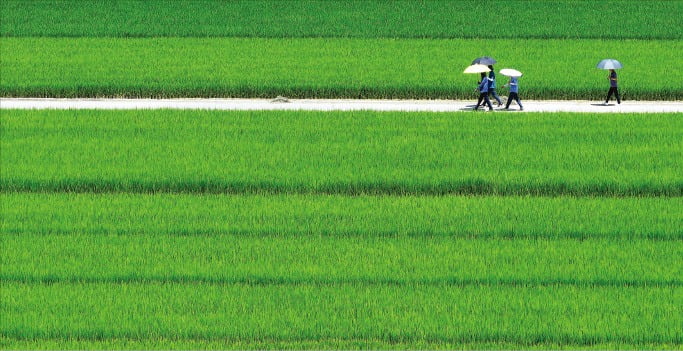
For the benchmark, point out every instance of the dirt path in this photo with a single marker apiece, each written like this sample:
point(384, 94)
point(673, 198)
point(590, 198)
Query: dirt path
point(340, 105)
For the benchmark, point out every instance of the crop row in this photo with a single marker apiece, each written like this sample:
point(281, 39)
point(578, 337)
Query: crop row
point(256, 216)
point(341, 152)
point(242, 312)
point(332, 261)
point(368, 19)
point(329, 68)
point(157, 343)
point(169, 270)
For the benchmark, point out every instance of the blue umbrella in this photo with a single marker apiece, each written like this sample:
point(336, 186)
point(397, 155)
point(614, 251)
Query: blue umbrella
point(485, 60)
point(610, 64)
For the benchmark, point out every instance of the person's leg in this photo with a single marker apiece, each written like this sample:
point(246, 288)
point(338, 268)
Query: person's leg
point(616, 93)
point(483, 103)
point(488, 102)
point(512, 96)
point(519, 102)
point(609, 95)
point(481, 97)
point(492, 92)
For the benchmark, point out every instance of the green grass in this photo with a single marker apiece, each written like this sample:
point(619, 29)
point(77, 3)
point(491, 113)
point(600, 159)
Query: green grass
point(524, 315)
point(333, 344)
point(311, 230)
point(342, 153)
point(167, 271)
point(302, 239)
point(363, 19)
point(355, 218)
point(330, 68)
point(111, 236)
point(312, 259)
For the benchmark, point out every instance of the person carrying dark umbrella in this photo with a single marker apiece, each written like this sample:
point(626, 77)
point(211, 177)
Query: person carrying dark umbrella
point(484, 92)
point(492, 86)
point(489, 61)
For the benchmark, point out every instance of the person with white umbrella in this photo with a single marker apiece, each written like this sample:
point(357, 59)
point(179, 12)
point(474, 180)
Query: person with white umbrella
point(611, 65)
point(514, 86)
point(483, 87)
point(484, 92)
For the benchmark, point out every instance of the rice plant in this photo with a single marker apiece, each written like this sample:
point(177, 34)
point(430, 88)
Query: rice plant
point(359, 19)
point(327, 68)
point(341, 153)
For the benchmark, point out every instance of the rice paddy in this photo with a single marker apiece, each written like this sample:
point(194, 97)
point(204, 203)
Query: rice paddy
point(360, 217)
point(338, 230)
point(284, 262)
point(328, 67)
point(349, 312)
point(563, 19)
point(342, 153)
point(334, 49)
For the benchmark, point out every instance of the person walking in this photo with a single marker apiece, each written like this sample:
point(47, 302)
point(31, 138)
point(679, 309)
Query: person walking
point(492, 86)
point(483, 92)
point(613, 86)
point(514, 89)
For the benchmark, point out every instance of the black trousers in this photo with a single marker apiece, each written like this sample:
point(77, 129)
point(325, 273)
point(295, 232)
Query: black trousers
point(485, 97)
point(492, 92)
point(516, 97)
point(613, 90)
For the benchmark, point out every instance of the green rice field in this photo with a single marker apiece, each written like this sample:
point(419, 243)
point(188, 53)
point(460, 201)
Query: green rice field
point(119, 230)
point(335, 49)
point(168, 229)
point(354, 217)
point(563, 19)
point(328, 68)
point(342, 153)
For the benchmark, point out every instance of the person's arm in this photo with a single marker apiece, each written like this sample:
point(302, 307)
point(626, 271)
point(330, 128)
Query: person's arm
point(481, 85)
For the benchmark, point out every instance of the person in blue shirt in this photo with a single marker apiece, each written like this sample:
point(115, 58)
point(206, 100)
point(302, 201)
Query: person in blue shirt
point(514, 89)
point(613, 87)
point(483, 92)
point(492, 85)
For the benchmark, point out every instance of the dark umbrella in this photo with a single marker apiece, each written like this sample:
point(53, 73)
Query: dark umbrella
point(485, 60)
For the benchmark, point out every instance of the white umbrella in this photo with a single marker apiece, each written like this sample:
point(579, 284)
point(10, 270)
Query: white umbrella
point(476, 69)
point(609, 64)
point(510, 72)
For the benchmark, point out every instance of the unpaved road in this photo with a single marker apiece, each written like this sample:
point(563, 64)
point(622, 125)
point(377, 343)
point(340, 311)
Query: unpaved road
point(336, 105)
